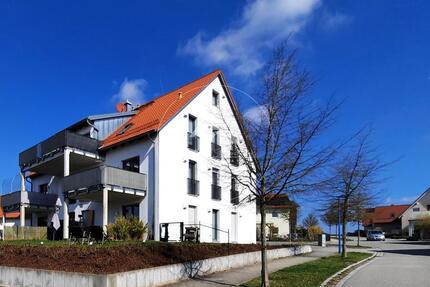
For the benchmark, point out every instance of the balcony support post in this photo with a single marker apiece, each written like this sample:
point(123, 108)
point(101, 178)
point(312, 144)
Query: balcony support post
point(22, 207)
point(105, 209)
point(65, 200)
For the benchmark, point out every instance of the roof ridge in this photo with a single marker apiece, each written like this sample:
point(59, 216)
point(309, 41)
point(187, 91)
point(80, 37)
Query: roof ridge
point(178, 88)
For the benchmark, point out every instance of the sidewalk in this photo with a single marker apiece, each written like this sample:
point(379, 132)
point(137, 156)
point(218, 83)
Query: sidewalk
point(238, 276)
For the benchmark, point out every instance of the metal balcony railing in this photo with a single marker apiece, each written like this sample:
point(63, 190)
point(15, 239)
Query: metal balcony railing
point(216, 192)
point(216, 151)
point(234, 196)
point(193, 141)
point(33, 199)
point(105, 176)
point(56, 143)
point(193, 187)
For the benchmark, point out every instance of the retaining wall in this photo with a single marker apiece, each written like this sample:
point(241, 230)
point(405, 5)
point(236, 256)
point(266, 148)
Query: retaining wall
point(16, 277)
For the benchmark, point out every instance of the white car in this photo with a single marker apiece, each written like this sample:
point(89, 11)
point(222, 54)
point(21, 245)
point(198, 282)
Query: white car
point(375, 235)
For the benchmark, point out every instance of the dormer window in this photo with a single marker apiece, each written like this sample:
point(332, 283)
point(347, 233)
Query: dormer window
point(215, 98)
point(124, 129)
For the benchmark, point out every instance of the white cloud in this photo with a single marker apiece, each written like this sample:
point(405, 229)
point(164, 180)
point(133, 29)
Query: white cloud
point(256, 114)
point(262, 25)
point(132, 90)
point(401, 200)
point(332, 21)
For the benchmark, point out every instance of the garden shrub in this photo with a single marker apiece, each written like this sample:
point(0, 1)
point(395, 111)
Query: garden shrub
point(127, 229)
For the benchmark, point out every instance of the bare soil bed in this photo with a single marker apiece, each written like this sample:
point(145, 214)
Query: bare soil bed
point(113, 257)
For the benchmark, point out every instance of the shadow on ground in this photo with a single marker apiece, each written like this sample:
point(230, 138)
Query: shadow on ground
point(415, 252)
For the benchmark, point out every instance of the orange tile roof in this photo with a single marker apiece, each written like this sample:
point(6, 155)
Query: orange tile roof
point(153, 115)
point(384, 214)
point(14, 214)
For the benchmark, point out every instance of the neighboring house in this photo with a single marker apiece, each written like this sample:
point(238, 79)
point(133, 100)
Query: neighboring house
point(418, 209)
point(281, 217)
point(8, 219)
point(385, 218)
point(172, 162)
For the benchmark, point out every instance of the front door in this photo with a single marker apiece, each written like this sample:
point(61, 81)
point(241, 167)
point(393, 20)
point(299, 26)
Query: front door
point(215, 225)
point(192, 215)
point(233, 230)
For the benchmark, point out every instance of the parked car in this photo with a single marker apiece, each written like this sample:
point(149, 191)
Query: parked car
point(375, 235)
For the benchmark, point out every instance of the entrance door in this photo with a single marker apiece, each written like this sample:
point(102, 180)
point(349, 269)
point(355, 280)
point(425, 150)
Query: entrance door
point(192, 215)
point(215, 224)
point(233, 230)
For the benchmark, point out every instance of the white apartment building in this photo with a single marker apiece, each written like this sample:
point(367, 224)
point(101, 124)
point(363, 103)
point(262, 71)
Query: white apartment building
point(172, 162)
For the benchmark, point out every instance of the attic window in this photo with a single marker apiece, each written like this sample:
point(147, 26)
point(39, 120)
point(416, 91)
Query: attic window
point(124, 129)
point(215, 98)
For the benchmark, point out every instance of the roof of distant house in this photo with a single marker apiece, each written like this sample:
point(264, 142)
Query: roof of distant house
point(280, 201)
point(384, 214)
point(153, 115)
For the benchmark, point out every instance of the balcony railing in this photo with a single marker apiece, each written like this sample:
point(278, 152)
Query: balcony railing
point(234, 155)
point(193, 187)
point(216, 151)
point(56, 143)
point(105, 176)
point(33, 199)
point(216, 192)
point(234, 197)
point(193, 141)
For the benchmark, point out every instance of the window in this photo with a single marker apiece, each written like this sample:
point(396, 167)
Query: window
point(416, 209)
point(130, 211)
point(88, 217)
point(192, 215)
point(275, 214)
point(215, 98)
point(43, 188)
point(124, 129)
point(216, 189)
point(428, 207)
point(131, 164)
point(215, 147)
point(234, 152)
point(193, 139)
point(234, 194)
point(215, 224)
point(193, 183)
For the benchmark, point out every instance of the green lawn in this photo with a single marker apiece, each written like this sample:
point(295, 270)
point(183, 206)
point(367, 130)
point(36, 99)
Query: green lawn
point(310, 274)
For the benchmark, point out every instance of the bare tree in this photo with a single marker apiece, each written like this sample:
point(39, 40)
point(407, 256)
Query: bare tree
point(359, 204)
point(282, 154)
point(354, 177)
point(310, 220)
point(330, 215)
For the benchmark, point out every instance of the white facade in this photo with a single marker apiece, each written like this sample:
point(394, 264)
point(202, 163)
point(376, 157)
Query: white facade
point(275, 218)
point(419, 209)
point(164, 157)
point(173, 159)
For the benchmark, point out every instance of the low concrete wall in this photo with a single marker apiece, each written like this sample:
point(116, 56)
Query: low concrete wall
point(26, 233)
point(14, 277)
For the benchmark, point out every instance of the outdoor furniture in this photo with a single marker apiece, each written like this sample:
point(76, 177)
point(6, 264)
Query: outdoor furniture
point(191, 234)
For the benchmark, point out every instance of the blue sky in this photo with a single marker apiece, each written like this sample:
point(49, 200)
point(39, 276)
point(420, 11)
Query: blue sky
point(61, 61)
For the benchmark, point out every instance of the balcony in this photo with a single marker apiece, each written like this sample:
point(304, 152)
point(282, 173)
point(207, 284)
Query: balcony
point(55, 145)
point(234, 155)
point(95, 179)
point(193, 187)
point(234, 197)
point(12, 201)
point(193, 141)
point(216, 192)
point(216, 151)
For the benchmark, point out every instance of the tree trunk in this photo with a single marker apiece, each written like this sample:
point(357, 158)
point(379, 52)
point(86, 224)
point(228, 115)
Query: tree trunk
point(264, 268)
point(358, 233)
point(344, 222)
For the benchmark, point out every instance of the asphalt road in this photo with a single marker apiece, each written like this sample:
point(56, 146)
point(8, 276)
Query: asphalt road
point(399, 263)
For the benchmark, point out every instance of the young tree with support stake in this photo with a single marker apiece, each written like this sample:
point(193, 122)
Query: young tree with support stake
point(282, 154)
point(354, 177)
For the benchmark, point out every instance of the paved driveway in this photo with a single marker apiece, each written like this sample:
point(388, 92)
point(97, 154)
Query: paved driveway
point(399, 264)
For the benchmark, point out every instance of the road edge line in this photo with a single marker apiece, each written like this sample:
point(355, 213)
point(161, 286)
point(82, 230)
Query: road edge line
point(328, 280)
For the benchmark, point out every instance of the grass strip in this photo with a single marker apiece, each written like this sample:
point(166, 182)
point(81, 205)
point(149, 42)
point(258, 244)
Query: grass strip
point(310, 274)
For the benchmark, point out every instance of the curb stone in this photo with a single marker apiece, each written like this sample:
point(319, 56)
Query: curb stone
point(328, 280)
